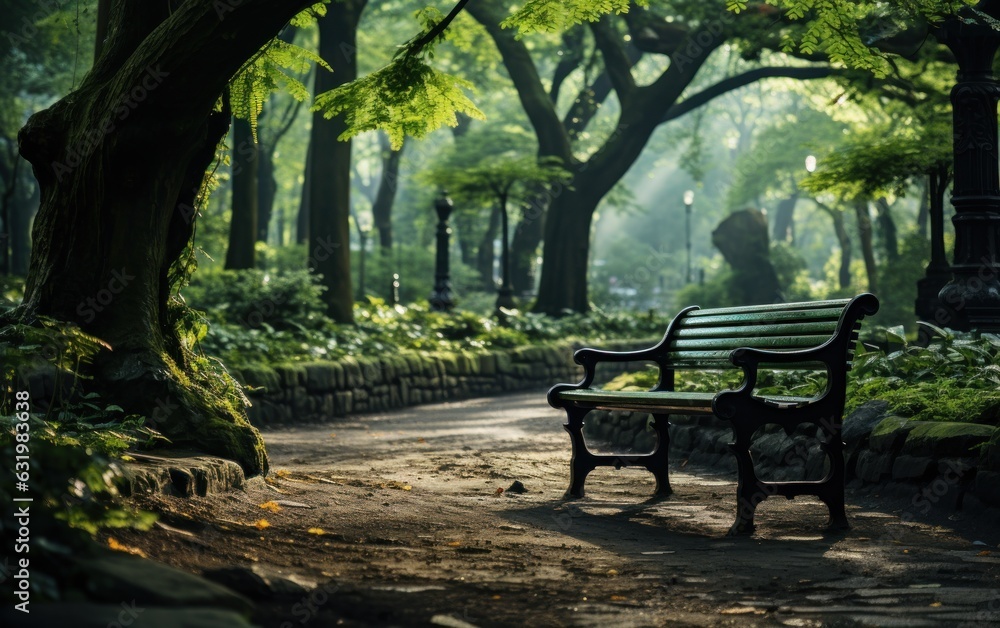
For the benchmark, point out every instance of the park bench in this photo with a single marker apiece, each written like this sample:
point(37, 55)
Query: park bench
point(817, 336)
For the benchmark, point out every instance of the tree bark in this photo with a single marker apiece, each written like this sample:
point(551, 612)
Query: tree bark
point(565, 254)
point(524, 248)
point(486, 255)
point(867, 248)
point(887, 228)
point(115, 215)
point(329, 176)
point(25, 207)
point(784, 219)
point(386, 195)
point(302, 217)
point(240, 255)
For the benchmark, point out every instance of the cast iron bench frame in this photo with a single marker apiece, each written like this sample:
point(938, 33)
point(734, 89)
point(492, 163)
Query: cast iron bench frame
point(819, 335)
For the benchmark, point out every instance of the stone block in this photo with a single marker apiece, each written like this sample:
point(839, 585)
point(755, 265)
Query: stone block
point(913, 468)
point(319, 377)
point(860, 423)
point(889, 434)
point(874, 466)
point(942, 439)
point(987, 487)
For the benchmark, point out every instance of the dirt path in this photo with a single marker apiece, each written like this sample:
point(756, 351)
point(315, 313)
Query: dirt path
point(404, 524)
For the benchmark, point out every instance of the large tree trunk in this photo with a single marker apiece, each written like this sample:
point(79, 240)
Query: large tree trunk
point(115, 215)
point(862, 211)
point(329, 176)
point(243, 225)
point(567, 245)
point(386, 195)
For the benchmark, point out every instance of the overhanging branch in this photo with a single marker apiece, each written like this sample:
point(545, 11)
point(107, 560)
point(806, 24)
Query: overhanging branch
point(735, 82)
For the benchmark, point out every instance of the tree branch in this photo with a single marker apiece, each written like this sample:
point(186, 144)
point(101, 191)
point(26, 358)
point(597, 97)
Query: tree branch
point(552, 138)
point(616, 62)
point(439, 28)
point(735, 82)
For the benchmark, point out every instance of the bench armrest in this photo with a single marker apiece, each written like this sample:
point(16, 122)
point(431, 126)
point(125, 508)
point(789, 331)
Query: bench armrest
point(589, 359)
point(752, 358)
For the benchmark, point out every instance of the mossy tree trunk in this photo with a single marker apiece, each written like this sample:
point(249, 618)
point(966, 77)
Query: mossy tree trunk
point(119, 162)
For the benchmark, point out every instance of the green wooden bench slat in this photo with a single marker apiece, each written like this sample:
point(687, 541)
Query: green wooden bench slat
point(837, 304)
point(743, 331)
point(759, 342)
point(661, 400)
point(765, 318)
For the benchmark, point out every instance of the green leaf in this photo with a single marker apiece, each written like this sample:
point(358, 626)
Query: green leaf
point(406, 97)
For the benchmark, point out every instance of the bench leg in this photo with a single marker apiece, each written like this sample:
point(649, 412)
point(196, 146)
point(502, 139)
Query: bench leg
point(659, 460)
point(582, 462)
point(749, 491)
point(833, 495)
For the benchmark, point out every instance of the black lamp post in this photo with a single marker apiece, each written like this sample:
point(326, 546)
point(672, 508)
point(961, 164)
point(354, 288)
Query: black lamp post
point(441, 298)
point(688, 203)
point(971, 300)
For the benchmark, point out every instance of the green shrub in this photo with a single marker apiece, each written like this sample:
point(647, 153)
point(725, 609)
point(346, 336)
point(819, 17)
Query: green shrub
point(255, 299)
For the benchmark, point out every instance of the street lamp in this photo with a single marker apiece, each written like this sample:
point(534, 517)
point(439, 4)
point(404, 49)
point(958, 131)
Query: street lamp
point(441, 299)
point(364, 225)
point(688, 202)
point(971, 300)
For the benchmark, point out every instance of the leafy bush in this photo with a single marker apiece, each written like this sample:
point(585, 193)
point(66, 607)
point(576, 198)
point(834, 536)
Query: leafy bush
point(254, 298)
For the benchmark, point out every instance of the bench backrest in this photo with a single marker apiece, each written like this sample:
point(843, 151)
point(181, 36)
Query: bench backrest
point(706, 338)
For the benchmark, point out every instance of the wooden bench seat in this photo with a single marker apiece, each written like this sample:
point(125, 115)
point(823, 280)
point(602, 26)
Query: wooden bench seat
point(818, 336)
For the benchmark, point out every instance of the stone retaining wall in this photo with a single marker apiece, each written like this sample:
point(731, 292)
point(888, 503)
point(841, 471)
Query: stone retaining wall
point(940, 461)
point(319, 391)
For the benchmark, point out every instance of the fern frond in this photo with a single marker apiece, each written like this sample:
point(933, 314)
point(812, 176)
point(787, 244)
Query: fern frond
point(272, 69)
point(552, 16)
point(406, 97)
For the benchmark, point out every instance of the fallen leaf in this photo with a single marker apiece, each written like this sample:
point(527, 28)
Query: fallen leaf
point(612, 572)
point(333, 435)
point(495, 597)
point(316, 531)
point(119, 547)
point(407, 488)
point(499, 491)
point(984, 553)
point(281, 473)
point(421, 440)
point(936, 604)
point(270, 506)
point(618, 598)
point(454, 544)
point(262, 524)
